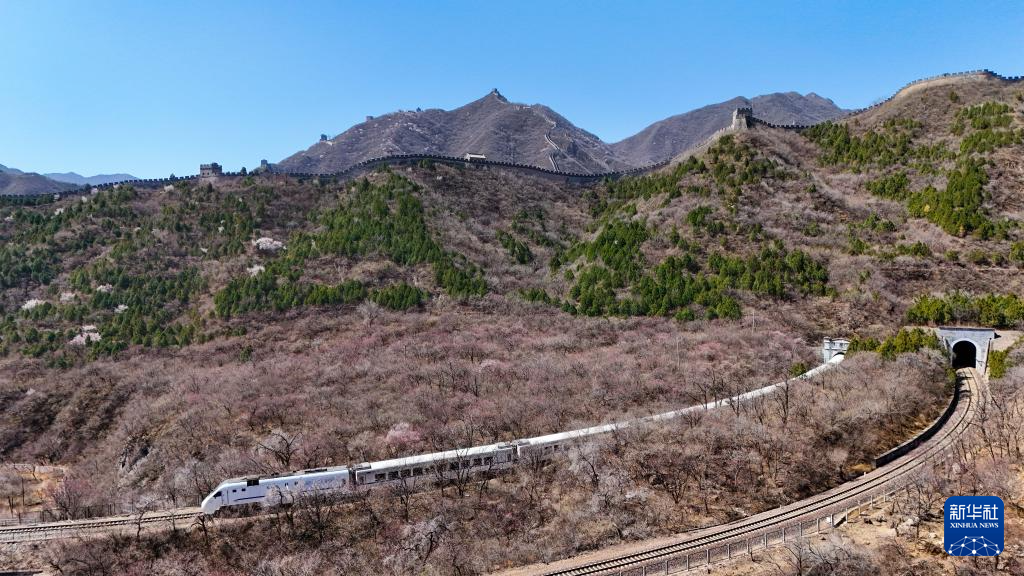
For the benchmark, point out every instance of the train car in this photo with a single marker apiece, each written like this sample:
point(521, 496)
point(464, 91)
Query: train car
point(428, 469)
point(276, 489)
point(544, 448)
point(434, 467)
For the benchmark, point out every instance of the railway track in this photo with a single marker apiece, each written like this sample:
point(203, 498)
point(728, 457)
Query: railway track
point(702, 548)
point(54, 530)
point(766, 528)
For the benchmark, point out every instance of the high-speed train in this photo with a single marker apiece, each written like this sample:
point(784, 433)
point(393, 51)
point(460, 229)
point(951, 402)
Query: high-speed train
point(426, 469)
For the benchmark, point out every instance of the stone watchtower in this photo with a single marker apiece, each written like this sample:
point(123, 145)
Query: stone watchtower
point(741, 118)
point(210, 170)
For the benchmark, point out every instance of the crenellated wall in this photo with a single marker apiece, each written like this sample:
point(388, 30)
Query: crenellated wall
point(955, 76)
point(742, 118)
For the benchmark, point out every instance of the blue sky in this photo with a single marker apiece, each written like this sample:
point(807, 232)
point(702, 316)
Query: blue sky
point(153, 88)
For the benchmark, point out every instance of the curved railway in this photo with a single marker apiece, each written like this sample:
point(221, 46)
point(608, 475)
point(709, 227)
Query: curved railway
point(692, 549)
point(540, 445)
point(701, 548)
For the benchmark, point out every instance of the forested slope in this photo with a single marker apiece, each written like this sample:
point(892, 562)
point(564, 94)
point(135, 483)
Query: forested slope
point(157, 341)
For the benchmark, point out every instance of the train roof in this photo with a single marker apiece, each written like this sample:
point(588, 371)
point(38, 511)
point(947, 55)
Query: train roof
point(605, 428)
point(311, 472)
point(432, 457)
point(460, 453)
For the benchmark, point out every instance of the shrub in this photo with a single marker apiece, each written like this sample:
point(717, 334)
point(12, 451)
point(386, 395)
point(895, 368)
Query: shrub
point(701, 219)
point(903, 342)
point(519, 251)
point(771, 270)
point(398, 296)
point(890, 146)
point(990, 128)
point(994, 310)
point(957, 209)
point(1017, 253)
point(537, 295)
point(892, 187)
point(998, 363)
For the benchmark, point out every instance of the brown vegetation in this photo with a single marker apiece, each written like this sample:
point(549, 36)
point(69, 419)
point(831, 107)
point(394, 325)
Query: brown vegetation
point(706, 469)
point(905, 535)
point(193, 397)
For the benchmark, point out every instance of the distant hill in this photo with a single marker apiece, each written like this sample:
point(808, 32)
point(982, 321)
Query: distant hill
point(667, 138)
point(535, 134)
point(78, 179)
point(14, 182)
point(493, 126)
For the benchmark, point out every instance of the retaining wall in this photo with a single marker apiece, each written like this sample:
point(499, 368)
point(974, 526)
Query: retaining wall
point(924, 436)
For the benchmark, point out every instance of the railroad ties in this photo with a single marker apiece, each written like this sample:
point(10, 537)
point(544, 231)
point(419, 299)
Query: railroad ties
point(816, 514)
point(56, 530)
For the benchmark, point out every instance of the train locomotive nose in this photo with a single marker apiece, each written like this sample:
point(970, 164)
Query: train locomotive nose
point(211, 503)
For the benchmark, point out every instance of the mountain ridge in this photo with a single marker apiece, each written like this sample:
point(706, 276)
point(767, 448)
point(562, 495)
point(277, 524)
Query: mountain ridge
point(15, 182)
point(491, 125)
point(667, 138)
point(95, 180)
point(538, 135)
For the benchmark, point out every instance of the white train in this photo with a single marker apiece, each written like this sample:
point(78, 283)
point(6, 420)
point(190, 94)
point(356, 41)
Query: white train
point(437, 466)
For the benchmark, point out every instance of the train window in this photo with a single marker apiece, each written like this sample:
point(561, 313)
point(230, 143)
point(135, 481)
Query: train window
point(380, 477)
point(406, 473)
point(476, 461)
point(216, 494)
point(393, 475)
point(233, 490)
point(243, 489)
point(453, 466)
point(417, 471)
point(465, 463)
point(488, 460)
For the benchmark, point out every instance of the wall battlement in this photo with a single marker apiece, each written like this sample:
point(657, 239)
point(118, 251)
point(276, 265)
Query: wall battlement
point(740, 116)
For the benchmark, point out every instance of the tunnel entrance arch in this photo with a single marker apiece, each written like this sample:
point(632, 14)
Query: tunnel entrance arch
point(965, 354)
point(968, 347)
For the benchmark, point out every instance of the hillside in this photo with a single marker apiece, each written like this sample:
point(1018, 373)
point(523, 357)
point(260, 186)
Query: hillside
point(672, 136)
point(159, 340)
point(537, 135)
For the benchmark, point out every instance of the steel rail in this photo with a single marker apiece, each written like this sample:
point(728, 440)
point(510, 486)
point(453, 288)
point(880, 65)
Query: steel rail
point(838, 498)
point(846, 497)
point(51, 530)
point(26, 530)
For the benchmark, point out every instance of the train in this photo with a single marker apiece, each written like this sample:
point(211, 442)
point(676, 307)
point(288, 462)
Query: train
point(429, 469)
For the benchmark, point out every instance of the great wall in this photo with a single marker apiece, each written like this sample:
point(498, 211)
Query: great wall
point(742, 118)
